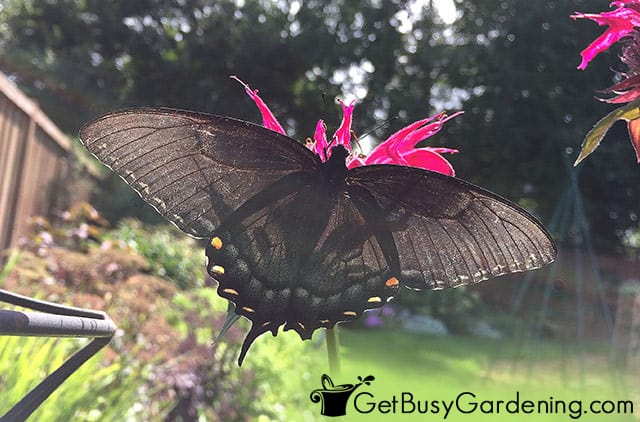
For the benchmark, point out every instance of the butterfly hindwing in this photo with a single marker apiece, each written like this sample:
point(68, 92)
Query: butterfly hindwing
point(194, 168)
point(302, 255)
point(449, 232)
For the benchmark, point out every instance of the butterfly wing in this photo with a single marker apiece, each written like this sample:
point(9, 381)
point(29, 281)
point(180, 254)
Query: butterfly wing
point(194, 168)
point(449, 232)
point(299, 254)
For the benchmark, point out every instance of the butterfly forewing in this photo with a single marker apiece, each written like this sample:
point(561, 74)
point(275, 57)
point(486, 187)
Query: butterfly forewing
point(449, 232)
point(194, 168)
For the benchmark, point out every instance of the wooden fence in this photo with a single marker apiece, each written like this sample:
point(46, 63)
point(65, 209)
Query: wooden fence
point(35, 165)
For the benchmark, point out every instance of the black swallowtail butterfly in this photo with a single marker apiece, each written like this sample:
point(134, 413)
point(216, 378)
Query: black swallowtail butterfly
point(306, 244)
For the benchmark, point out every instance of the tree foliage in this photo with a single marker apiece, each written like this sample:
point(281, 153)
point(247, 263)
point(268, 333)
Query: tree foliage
point(533, 106)
point(510, 64)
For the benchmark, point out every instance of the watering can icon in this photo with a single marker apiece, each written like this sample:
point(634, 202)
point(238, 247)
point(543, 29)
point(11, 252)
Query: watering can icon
point(334, 398)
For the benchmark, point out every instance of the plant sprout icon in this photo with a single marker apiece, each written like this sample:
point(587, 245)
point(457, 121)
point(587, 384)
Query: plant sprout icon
point(334, 397)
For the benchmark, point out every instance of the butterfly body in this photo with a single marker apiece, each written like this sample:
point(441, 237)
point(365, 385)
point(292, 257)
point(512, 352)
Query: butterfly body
point(298, 242)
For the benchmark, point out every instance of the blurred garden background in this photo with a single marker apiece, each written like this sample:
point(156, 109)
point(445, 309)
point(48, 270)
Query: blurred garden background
point(569, 331)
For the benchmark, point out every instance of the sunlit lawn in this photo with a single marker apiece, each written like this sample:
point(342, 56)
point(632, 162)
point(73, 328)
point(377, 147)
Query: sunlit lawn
point(428, 367)
point(440, 368)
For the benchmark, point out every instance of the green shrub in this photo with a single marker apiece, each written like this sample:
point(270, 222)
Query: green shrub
point(171, 254)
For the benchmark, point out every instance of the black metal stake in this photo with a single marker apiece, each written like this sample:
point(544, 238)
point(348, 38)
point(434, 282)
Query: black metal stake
point(53, 320)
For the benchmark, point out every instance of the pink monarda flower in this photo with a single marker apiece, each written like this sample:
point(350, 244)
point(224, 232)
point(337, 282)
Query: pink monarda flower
point(399, 148)
point(621, 22)
point(623, 26)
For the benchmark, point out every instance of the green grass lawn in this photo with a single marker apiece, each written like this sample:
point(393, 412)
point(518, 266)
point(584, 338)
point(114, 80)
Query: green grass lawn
point(441, 368)
point(430, 368)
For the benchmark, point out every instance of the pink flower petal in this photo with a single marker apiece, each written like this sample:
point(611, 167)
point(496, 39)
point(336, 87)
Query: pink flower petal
point(428, 160)
point(631, 81)
point(620, 21)
point(268, 119)
point(623, 97)
point(633, 4)
point(410, 141)
point(343, 134)
point(320, 137)
point(387, 148)
point(400, 148)
point(354, 162)
point(438, 150)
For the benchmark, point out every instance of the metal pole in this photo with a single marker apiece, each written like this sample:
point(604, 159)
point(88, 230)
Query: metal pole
point(38, 324)
point(53, 320)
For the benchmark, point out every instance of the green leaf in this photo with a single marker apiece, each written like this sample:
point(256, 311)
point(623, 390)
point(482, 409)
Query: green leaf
point(629, 112)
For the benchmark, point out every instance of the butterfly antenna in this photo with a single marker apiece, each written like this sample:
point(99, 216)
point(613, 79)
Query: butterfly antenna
point(357, 141)
point(381, 125)
point(231, 319)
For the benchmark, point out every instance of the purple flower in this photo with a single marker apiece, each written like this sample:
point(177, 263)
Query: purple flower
point(388, 310)
point(82, 231)
point(373, 320)
point(45, 238)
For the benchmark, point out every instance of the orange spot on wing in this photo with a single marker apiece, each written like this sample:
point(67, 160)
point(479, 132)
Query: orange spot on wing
point(216, 242)
point(392, 282)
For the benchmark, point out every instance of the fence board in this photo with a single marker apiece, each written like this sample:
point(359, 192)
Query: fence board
point(34, 167)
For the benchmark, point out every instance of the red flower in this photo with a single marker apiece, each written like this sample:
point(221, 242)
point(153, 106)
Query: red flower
point(399, 148)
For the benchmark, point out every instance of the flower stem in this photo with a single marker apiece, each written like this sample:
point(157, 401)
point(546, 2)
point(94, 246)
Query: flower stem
point(333, 346)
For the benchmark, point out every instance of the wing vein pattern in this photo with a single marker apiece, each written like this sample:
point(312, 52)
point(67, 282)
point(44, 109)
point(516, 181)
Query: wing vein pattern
point(449, 232)
point(195, 169)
